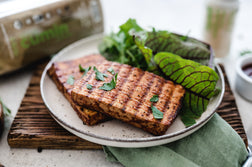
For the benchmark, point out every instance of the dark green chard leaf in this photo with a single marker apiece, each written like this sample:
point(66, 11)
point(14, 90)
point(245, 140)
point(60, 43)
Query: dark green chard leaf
point(198, 80)
point(70, 80)
point(110, 85)
point(188, 48)
point(98, 75)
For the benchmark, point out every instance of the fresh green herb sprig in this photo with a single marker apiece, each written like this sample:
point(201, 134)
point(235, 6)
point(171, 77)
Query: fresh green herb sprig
point(98, 75)
point(154, 98)
point(156, 113)
point(89, 86)
point(85, 70)
point(110, 85)
point(70, 80)
point(111, 70)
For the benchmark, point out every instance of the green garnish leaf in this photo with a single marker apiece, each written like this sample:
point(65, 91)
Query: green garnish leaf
point(156, 113)
point(111, 70)
point(110, 85)
point(85, 70)
point(70, 80)
point(89, 86)
point(6, 110)
point(154, 98)
point(198, 80)
point(98, 75)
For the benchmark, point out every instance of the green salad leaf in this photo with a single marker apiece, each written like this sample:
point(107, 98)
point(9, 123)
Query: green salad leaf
point(141, 48)
point(198, 80)
point(189, 48)
point(120, 46)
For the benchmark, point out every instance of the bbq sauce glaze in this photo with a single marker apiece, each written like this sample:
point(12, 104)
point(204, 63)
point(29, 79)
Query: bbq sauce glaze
point(247, 69)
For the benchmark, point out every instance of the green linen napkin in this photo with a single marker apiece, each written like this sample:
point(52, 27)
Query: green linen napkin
point(215, 144)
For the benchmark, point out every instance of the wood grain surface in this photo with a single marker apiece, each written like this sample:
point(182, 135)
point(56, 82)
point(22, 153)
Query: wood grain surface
point(33, 127)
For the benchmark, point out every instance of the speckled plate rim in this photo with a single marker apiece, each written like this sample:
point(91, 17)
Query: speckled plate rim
point(122, 142)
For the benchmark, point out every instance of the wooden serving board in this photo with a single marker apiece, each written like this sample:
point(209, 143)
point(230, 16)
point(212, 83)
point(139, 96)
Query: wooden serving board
point(33, 127)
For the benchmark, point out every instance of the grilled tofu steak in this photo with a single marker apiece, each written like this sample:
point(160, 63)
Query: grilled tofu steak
point(61, 71)
point(129, 101)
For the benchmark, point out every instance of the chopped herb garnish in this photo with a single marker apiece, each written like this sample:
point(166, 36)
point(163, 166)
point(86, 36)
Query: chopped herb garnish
point(70, 80)
point(156, 113)
point(111, 70)
point(85, 70)
point(6, 110)
point(99, 76)
point(110, 85)
point(89, 86)
point(154, 98)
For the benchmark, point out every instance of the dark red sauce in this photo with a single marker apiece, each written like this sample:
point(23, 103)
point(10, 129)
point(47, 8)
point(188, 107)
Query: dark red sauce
point(247, 69)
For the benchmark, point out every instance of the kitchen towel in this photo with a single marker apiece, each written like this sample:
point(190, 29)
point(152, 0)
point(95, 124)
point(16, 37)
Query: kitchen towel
point(216, 144)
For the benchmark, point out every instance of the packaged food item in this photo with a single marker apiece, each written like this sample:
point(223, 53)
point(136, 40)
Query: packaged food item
point(219, 25)
point(41, 28)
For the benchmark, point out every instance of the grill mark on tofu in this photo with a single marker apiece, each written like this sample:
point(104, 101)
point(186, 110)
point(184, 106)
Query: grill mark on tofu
point(80, 88)
point(124, 95)
point(133, 81)
point(142, 90)
point(111, 96)
point(124, 72)
point(98, 92)
point(156, 89)
point(168, 89)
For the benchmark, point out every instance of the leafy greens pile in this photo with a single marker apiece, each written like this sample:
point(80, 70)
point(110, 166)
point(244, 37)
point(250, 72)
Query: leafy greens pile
point(182, 59)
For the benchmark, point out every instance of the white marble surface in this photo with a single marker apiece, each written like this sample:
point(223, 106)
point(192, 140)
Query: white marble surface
point(177, 16)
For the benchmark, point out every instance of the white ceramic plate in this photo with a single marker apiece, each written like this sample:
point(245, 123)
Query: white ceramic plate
point(114, 132)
